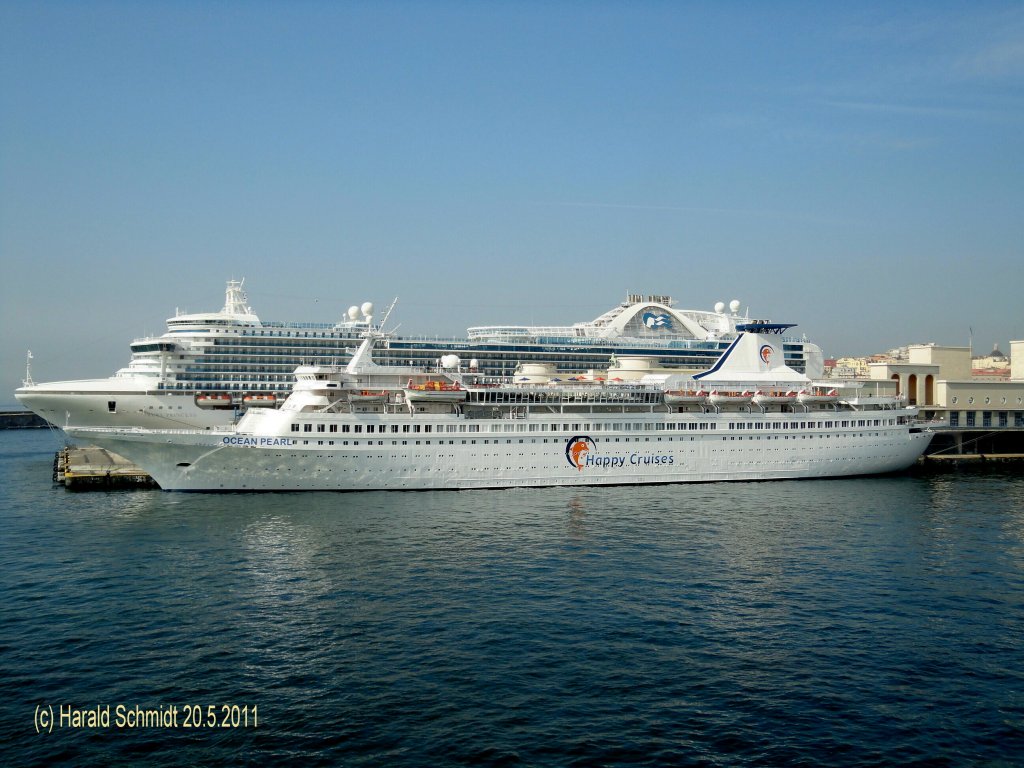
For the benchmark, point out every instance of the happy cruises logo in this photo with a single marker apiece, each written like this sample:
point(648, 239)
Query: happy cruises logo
point(578, 448)
point(581, 451)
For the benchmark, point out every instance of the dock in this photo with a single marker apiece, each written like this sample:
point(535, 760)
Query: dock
point(21, 420)
point(96, 468)
point(944, 462)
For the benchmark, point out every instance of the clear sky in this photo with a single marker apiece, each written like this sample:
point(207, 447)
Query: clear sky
point(856, 168)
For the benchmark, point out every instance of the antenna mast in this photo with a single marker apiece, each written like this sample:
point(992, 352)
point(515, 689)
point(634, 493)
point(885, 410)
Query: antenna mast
point(28, 370)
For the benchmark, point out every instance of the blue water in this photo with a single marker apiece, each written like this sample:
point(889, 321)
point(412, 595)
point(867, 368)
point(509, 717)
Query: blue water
point(851, 622)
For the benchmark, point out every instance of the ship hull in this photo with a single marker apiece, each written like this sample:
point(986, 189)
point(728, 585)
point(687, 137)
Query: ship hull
point(214, 461)
point(99, 404)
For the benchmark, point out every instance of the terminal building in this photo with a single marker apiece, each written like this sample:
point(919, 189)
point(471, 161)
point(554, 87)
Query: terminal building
point(981, 414)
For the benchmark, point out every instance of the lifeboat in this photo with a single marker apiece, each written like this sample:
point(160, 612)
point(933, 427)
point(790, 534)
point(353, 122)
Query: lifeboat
point(818, 395)
point(367, 396)
point(684, 397)
point(774, 398)
point(434, 392)
point(213, 400)
point(260, 400)
point(722, 397)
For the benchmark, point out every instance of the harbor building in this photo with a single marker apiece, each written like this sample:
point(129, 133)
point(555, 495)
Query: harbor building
point(981, 413)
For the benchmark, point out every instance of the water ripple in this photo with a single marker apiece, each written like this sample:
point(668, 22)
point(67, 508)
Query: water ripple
point(855, 622)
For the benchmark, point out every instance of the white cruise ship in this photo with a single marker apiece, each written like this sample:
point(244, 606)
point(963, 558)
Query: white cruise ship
point(378, 427)
point(208, 368)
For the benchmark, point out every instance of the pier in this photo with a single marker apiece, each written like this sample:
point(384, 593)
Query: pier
point(96, 468)
point(991, 442)
point(956, 448)
point(21, 420)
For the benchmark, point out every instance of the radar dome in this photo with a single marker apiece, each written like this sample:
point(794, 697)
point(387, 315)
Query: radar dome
point(450, 361)
point(367, 308)
point(734, 306)
point(353, 313)
point(719, 307)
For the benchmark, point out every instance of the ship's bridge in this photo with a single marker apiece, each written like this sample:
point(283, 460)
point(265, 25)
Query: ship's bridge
point(235, 313)
point(142, 346)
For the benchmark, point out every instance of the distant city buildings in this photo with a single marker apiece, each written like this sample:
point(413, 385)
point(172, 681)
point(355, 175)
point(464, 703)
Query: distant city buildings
point(994, 364)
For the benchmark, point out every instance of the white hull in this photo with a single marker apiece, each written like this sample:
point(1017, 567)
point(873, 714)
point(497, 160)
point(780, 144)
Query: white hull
point(663, 452)
point(97, 403)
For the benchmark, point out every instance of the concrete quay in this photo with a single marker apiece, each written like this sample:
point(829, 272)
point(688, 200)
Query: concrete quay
point(21, 420)
point(96, 468)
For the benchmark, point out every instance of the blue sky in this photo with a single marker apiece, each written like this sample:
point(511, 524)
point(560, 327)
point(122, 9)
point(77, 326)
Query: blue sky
point(854, 168)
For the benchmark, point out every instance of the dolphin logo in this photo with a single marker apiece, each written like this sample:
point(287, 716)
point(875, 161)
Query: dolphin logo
point(577, 448)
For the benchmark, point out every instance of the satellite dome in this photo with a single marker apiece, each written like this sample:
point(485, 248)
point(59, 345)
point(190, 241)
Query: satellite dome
point(367, 308)
point(353, 313)
point(719, 307)
point(734, 306)
point(450, 361)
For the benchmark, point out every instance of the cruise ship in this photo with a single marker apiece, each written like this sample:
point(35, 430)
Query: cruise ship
point(210, 367)
point(367, 426)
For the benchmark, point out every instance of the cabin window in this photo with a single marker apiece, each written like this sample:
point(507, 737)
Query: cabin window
point(112, 406)
point(307, 427)
point(295, 427)
point(320, 427)
point(334, 428)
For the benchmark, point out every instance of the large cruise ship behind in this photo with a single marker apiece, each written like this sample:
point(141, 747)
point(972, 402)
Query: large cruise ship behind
point(209, 367)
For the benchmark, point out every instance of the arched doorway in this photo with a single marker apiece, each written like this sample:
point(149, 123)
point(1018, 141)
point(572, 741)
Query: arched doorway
point(912, 389)
point(929, 390)
point(899, 390)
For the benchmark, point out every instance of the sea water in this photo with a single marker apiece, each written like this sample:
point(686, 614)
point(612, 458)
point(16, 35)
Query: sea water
point(874, 621)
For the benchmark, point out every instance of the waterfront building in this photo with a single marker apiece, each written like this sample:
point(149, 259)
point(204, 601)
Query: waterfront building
point(940, 381)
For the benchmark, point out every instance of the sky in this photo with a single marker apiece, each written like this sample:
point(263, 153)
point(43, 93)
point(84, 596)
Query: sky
point(855, 168)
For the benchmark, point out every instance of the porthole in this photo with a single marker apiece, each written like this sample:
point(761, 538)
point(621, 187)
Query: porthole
point(970, 400)
point(955, 400)
point(988, 400)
